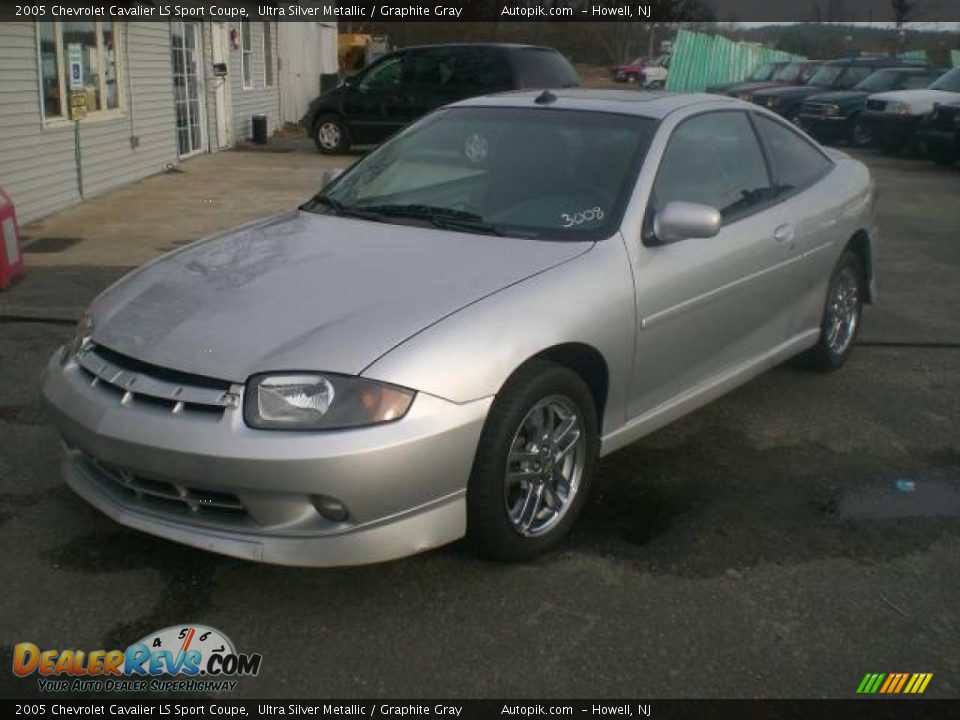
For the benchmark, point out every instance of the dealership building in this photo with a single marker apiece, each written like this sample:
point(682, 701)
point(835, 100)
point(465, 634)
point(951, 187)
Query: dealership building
point(88, 106)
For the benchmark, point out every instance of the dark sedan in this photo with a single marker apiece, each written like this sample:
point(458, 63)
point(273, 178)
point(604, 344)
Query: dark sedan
point(835, 115)
point(833, 75)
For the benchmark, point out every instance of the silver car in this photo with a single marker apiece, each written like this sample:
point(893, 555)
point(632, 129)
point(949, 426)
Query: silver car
point(443, 341)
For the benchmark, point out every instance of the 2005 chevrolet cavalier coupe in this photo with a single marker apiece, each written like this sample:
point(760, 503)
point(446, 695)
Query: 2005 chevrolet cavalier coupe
point(444, 339)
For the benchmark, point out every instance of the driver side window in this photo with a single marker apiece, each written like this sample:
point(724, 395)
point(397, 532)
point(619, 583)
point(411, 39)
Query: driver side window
point(714, 159)
point(384, 75)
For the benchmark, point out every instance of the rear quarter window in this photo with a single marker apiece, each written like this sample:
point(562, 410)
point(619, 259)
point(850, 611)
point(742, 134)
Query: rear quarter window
point(544, 68)
point(796, 162)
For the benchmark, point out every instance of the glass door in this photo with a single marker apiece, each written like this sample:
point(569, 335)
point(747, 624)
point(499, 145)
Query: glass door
point(186, 54)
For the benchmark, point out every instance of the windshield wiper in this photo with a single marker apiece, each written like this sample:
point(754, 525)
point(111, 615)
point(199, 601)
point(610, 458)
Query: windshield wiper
point(338, 208)
point(444, 218)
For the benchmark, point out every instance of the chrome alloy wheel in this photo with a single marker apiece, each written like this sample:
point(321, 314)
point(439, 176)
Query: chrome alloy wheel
point(545, 466)
point(329, 135)
point(843, 311)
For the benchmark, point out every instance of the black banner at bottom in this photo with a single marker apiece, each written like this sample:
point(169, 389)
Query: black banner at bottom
point(872, 708)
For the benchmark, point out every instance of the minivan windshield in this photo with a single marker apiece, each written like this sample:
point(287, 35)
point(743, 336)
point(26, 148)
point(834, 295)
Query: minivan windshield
point(527, 172)
point(764, 72)
point(789, 74)
point(883, 80)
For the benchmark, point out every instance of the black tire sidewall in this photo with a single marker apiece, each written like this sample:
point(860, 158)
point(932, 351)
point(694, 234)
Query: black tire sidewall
point(488, 526)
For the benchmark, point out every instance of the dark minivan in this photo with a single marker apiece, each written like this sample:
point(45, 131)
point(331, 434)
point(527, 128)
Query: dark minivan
point(406, 84)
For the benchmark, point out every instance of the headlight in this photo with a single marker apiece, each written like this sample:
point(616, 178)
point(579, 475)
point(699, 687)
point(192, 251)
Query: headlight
point(80, 340)
point(898, 108)
point(773, 101)
point(831, 110)
point(308, 401)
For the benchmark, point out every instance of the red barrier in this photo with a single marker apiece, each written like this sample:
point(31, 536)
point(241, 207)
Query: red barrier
point(11, 258)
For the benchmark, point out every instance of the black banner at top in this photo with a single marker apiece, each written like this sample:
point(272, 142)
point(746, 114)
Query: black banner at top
point(935, 14)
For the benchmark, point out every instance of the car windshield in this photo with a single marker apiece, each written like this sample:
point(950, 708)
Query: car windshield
point(880, 81)
point(763, 72)
point(949, 82)
point(790, 73)
point(528, 172)
point(826, 75)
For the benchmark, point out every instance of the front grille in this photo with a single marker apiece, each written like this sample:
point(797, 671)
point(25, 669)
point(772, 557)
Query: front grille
point(876, 105)
point(133, 382)
point(163, 495)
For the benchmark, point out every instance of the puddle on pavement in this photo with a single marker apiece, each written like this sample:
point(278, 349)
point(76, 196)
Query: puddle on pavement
point(883, 501)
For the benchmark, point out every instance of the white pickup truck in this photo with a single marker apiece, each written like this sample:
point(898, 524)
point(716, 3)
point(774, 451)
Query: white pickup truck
point(895, 115)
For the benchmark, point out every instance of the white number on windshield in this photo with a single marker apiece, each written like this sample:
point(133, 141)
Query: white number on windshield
point(581, 216)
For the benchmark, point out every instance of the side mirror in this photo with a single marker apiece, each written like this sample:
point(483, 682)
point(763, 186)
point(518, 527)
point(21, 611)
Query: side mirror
point(683, 220)
point(329, 175)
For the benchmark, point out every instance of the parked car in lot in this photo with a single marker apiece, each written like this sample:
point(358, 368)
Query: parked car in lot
point(406, 84)
point(833, 75)
point(444, 339)
point(629, 72)
point(654, 75)
point(835, 115)
point(939, 133)
point(794, 73)
point(894, 116)
point(763, 73)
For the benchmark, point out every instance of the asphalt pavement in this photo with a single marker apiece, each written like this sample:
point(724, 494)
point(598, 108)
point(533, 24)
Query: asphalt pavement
point(758, 548)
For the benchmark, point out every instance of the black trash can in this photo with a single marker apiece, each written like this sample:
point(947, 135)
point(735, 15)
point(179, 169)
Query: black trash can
point(260, 129)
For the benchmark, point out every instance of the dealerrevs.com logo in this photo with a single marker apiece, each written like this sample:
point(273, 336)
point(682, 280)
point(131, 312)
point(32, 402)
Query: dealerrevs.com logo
point(180, 658)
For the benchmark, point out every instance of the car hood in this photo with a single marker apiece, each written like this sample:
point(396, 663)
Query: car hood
point(922, 99)
point(838, 98)
point(790, 91)
point(307, 292)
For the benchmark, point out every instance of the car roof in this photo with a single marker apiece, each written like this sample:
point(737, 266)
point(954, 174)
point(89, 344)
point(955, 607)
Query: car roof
point(655, 105)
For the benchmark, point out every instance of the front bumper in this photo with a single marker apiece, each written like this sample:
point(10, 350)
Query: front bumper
point(890, 129)
point(825, 128)
point(209, 481)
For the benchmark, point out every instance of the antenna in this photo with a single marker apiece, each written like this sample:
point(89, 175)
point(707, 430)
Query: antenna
point(545, 98)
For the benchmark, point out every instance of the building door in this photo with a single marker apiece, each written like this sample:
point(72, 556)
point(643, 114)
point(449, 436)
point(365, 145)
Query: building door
point(187, 90)
point(220, 52)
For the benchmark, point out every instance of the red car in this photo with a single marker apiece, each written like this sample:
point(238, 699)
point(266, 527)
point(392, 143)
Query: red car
point(629, 72)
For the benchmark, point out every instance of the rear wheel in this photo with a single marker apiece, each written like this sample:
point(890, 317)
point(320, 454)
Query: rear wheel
point(534, 462)
point(841, 315)
point(330, 135)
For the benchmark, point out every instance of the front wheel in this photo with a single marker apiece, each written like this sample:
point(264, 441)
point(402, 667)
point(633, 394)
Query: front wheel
point(534, 462)
point(860, 134)
point(330, 135)
point(841, 315)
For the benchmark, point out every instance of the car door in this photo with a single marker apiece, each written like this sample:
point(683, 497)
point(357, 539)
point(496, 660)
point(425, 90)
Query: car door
point(800, 170)
point(710, 308)
point(373, 102)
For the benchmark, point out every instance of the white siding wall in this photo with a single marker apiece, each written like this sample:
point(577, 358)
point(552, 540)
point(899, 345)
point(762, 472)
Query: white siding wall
point(258, 99)
point(37, 166)
point(38, 162)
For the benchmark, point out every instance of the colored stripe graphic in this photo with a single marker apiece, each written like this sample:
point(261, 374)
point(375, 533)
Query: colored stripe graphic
point(894, 683)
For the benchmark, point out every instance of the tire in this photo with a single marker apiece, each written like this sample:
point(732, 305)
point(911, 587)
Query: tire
point(832, 351)
point(505, 485)
point(860, 134)
point(331, 135)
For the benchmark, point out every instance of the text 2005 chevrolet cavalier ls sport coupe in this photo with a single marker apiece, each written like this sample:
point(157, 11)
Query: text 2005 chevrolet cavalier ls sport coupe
point(443, 341)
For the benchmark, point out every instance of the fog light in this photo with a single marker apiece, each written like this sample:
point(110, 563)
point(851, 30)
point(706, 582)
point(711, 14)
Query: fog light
point(330, 508)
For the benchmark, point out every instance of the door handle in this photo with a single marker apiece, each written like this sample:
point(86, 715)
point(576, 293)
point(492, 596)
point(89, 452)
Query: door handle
point(784, 233)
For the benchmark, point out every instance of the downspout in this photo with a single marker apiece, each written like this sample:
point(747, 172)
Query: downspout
point(78, 156)
point(134, 138)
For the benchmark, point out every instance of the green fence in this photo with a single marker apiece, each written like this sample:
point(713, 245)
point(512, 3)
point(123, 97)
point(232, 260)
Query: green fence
point(700, 61)
point(918, 55)
point(955, 58)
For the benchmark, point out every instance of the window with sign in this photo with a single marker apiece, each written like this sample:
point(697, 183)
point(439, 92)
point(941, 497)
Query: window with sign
point(79, 68)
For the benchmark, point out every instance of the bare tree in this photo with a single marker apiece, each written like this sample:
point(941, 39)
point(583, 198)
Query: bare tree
point(903, 10)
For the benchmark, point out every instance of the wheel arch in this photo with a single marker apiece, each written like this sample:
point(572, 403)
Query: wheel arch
point(862, 246)
point(587, 362)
